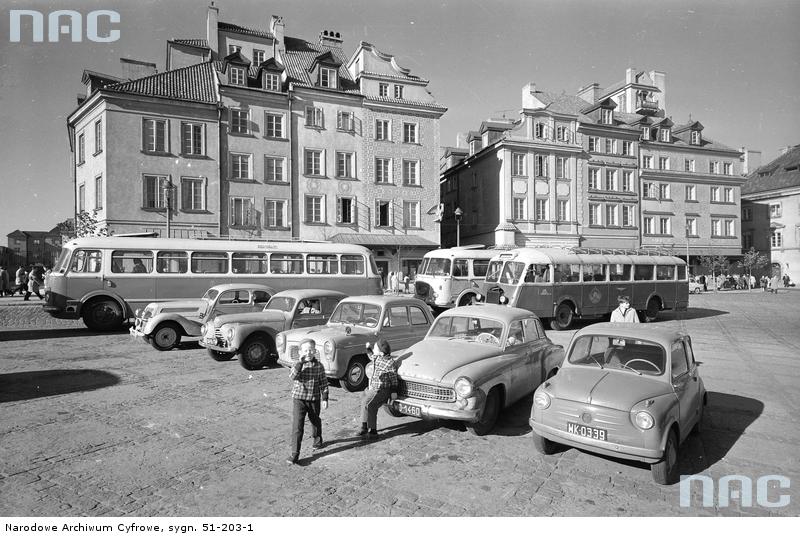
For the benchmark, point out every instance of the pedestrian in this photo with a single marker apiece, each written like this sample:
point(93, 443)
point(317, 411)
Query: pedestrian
point(752, 281)
point(774, 283)
point(703, 281)
point(405, 283)
point(309, 394)
point(624, 312)
point(398, 278)
point(5, 282)
point(392, 281)
point(21, 281)
point(382, 386)
point(786, 280)
point(35, 280)
point(764, 282)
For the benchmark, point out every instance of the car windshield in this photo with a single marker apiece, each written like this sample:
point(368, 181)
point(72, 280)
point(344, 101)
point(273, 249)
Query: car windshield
point(436, 266)
point(468, 328)
point(357, 313)
point(282, 303)
point(628, 354)
point(211, 294)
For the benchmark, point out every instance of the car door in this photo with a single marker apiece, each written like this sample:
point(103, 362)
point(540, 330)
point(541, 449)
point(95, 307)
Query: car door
point(697, 384)
point(419, 324)
point(520, 356)
point(685, 383)
point(396, 327)
point(538, 350)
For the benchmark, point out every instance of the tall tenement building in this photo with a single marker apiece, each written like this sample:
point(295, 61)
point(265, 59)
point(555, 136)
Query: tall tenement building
point(251, 133)
point(605, 168)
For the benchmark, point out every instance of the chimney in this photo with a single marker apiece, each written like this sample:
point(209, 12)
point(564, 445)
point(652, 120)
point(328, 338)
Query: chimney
point(133, 69)
point(278, 29)
point(751, 160)
point(330, 38)
point(528, 96)
point(212, 35)
point(590, 93)
point(630, 75)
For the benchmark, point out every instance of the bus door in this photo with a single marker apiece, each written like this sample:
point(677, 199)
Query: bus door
point(460, 279)
point(594, 291)
point(644, 285)
point(665, 284)
point(567, 284)
point(619, 284)
point(85, 273)
point(132, 276)
point(535, 293)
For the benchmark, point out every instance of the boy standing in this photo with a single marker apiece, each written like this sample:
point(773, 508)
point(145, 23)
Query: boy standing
point(309, 392)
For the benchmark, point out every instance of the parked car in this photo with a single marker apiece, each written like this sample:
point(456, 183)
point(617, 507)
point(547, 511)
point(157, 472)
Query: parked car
point(251, 336)
point(163, 324)
point(625, 390)
point(475, 361)
point(358, 320)
point(695, 286)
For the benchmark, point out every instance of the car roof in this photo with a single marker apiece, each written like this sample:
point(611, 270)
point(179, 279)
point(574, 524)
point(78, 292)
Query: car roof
point(657, 333)
point(502, 313)
point(252, 286)
point(383, 300)
point(309, 293)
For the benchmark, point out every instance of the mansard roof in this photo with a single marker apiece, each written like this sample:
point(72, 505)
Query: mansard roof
point(193, 83)
point(782, 172)
point(560, 103)
point(300, 57)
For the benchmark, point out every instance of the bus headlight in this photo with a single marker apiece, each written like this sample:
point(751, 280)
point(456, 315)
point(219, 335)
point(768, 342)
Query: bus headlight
point(503, 299)
point(644, 420)
point(280, 342)
point(327, 349)
point(463, 387)
point(478, 297)
point(541, 400)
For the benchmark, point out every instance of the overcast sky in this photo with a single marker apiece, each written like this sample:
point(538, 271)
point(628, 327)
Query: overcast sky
point(733, 65)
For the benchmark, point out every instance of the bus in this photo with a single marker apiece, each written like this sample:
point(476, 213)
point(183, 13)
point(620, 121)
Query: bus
point(445, 276)
point(565, 284)
point(103, 280)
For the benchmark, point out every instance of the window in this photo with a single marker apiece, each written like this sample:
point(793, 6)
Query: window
point(321, 264)
point(81, 198)
point(314, 210)
point(561, 167)
point(663, 163)
point(728, 193)
point(747, 214)
point(611, 146)
point(715, 193)
point(172, 262)
point(192, 139)
point(410, 133)
point(155, 135)
point(713, 167)
point(132, 261)
point(474, 146)
point(611, 179)
point(775, 210)
point(153, 191)
point(275, 211)
point(542, 212)
point(594, 143)
point(411, 172)
point(98, 192)
point(538, 130)
point(647, 162)
point(411, 214)
point(272, 82)
point(258, 57)
point(286, 263)
point(344, 165)
point(606, 116)
point(314, 117)
point(727, 168)
point(612, 214)
point(382, 130)
point(664, 225)
point(520, 208)
point(594, 179)
point(398, 91)
point(678, 356)
point(562, 207)
point(627, 181)
point(691, 227)
point(273, 125)
point(776, 238)
point(345, 211)
point(691, 193)
point(313, 162)
point(649, 190)
point(649, 224)
point(240, 166)
point(716, 227)
point(354, 264)
point(730, 227)
point(383, 217)
point(232, 49)
point(273, 169)
point(747, 239)
point(240, 121)
point(87, 261)
point(81, 149)
point(628, 215)
point(237, 76)
point(383, 170)
point(210, 262)
point(594, 214)
point(562, 133)
point(688, 165)
point(242, 212)
point(98, 136)
point(193, 194)
point(645, 133)
point(627, 148)
point(518, 164)
point(540, 165)
point(663, 191)
point(345, 121)
point(383, 90)
point(695, 138)
point(664, 135)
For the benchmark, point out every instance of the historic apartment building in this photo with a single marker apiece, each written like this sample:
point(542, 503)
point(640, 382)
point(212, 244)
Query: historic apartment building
point(30, 247)
point(251, 133)
point(606, 168)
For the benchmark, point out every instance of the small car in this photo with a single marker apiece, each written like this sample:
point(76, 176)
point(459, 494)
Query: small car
point(695, 286)
point(163, 324)
point(356, 321)
point(631, 391)
point(251, 336)
point(475, 361)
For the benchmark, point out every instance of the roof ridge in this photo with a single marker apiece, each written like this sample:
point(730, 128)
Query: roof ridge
point(162, 73)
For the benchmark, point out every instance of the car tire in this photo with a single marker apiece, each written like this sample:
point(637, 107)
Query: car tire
point(665, 471)
point(491, 410)
point(103, 314)
point(543, 445)
point(392, 411)
point(355, 378)
point(166, 336)
point(563, 317)
point(255, 353)
point(651, 311)
point(219, 356)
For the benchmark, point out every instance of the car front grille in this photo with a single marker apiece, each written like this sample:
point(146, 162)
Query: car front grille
point(422, 290)
point(294, 352)
point(429, 392)
point(493, 295)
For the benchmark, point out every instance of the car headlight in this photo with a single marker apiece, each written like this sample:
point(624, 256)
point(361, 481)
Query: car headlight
point(137, 312)
point(478, 297)
point(328, 349)
point(541, 400)
point(644, 420)
point(229, 333)
point(203, 329)
point(503, 299)
point(463, 387)
point(280, 342)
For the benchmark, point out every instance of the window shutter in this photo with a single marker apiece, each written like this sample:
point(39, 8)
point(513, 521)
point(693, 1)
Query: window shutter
point(232, 212)
point(186, 194)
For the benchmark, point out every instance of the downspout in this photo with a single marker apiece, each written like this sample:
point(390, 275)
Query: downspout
point(294, 187)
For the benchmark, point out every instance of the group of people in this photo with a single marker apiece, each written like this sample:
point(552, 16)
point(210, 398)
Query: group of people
point(395, 280)
point(772, 284)
point(26, 282)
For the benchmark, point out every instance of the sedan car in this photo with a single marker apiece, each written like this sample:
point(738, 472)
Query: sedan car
point(475, 361)
point(358, 320)
point(163, 324)
point(695, 286)
point(625, 390)
point(251, 336)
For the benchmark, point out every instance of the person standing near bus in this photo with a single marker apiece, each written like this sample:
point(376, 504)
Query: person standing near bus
point(624, 312)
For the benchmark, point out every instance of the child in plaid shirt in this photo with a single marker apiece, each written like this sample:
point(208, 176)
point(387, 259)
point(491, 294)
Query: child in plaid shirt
point(309, 392)
point(382, 386)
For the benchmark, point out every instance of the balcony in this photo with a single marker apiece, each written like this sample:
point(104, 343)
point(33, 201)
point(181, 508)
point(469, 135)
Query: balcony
point(646, 106)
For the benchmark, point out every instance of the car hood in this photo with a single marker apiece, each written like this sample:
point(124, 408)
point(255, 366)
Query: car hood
point(610, 388)
point(433, 359)
point(178, 306)
point(264, 316)
point(336, 332)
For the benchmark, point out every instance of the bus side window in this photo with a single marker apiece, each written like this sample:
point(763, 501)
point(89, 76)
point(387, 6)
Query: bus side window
point(460, 268)
point(575, 273)
point(479, 267)
point(643, 272)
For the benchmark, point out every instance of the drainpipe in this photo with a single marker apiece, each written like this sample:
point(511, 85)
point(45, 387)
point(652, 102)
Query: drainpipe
point(294, 189)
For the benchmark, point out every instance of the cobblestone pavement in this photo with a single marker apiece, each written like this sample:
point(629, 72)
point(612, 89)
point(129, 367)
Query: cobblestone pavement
point(97, 424)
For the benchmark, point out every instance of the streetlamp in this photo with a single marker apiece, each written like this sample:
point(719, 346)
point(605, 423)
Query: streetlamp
point(687, 249)
point(458, 213)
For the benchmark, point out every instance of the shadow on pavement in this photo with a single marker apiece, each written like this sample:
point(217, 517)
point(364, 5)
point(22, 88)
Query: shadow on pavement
point(34, 384)
point(692, 313)
point(52, 333)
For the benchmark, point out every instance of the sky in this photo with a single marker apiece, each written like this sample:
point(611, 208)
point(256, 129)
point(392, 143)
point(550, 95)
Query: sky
point(734, 65)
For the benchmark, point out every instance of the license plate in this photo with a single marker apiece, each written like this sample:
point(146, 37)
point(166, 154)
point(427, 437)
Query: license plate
point(409, 410)
point(586, 431)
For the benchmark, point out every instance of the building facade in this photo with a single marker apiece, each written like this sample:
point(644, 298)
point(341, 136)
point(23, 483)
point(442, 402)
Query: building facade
point(32, 247)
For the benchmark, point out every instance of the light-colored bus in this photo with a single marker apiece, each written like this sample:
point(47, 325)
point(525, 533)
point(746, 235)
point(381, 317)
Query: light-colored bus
point(445, 276)
point(564, 284)
point(103, 280)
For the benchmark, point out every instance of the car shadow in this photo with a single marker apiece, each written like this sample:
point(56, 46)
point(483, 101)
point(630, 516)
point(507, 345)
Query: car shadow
point(53, 333)
point(34, 384)
point(691, 313)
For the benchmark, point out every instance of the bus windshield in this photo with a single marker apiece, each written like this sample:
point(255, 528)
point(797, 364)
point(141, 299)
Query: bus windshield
point(436, 266)
point(62, 261)
point(493, 272)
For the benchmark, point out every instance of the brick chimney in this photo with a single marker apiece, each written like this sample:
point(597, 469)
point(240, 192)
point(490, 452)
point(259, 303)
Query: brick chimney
point(590, 93)
point(330, 38)
point(278, 29)
point(133, 69)
point(212, 35)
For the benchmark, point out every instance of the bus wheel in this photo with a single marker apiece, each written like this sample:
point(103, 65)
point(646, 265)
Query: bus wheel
point(355, 378)
point(255, 353)
point(220, 356)
point(651, 312)
point(563, 317)
point(166, 336)
point(103, 314)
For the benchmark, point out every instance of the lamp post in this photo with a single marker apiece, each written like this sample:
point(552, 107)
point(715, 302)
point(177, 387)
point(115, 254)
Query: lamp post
point(168, 188)
point(687, 250)
point(458, 213)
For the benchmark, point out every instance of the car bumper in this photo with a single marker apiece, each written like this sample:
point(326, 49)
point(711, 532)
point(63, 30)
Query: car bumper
point(137, 334)
point(215, 346)
point(471, 412)
point(610, 449)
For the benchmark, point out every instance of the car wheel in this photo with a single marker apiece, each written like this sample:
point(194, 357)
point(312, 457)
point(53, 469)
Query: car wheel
point(219, 356)
point(665, 471)
point(355, 378)
point(103, 314)
point(491, 409)
point(254, 354)
point(166, 336)
point(563, 317)
point(543, 445)
point(651, 312)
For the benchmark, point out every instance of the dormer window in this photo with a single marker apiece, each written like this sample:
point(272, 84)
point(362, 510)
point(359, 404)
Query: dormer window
point(645, 133)
point(606, 116)
point(695, 138)
point(474, 146)
point(272, 81)
point(383, 90)
point(233, 49)
point(258, 57)
point(398, 91)
point(327, 77)
point(664, 135)
point(236, 76)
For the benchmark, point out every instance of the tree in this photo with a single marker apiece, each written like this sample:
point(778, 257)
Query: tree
point(715, 265)
point(752, 260)
point(87, 225)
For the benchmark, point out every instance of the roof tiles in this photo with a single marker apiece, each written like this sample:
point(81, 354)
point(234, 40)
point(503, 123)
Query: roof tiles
point(193, 83)
point(783, 172)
